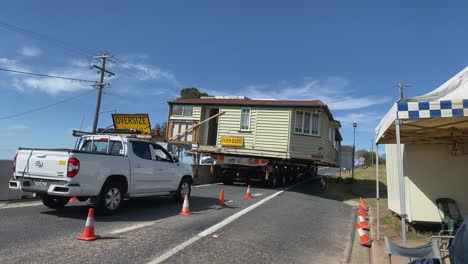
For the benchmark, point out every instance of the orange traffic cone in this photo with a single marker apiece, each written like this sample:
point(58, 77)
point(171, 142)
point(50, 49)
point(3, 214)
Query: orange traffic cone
point(221, 197)
point(365, 240)
point(74, 199)
point(88, 232)
point(247, 194)
point(363, 214)
point(363, 204)
point(185, 207)
point(363, 223)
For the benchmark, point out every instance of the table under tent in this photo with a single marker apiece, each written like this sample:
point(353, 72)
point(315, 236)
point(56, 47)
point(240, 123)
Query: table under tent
point(426, 140)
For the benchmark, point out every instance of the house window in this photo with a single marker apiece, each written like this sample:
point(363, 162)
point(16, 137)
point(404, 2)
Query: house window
point(331, 134)
point(245, 119)
point(307, 123)
point(182, 110)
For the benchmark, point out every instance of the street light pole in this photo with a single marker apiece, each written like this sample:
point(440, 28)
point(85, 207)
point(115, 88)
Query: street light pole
point(354, 149)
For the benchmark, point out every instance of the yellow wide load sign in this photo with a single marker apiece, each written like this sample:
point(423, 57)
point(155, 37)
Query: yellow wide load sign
point(139, 122)
point(232, 141)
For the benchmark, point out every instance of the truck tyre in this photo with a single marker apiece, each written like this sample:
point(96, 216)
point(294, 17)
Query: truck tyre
point(110, 200)
point(227, 177)
point(185, 187)
point(54, 202)
point(273, 182)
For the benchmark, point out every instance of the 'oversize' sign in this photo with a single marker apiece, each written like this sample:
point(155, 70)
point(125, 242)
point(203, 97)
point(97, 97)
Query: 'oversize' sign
point(139, 122)
point(232, 141)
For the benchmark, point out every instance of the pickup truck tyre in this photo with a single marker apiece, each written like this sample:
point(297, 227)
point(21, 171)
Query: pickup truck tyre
point(54, 202)
point(110, 199)
point(185, 187)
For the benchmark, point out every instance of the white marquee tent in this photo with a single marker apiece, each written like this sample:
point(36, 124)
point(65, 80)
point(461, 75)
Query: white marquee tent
point(438, 119)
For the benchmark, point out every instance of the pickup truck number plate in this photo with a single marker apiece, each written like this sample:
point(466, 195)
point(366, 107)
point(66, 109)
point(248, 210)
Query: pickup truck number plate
point(40, 184)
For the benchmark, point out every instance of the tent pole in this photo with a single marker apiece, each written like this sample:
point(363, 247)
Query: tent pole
point(401, 180)
point(377, 182)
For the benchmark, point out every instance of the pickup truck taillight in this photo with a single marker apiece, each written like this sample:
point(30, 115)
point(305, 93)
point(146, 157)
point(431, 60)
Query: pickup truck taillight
point(14, 163)
point(73, 167)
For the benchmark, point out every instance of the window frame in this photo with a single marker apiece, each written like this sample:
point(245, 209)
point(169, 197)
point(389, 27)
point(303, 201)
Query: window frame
point(314, 118)
point(249, 120)
point(183, 110)
point(109, 145)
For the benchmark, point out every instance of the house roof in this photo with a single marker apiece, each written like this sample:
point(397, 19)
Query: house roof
point(246, 102)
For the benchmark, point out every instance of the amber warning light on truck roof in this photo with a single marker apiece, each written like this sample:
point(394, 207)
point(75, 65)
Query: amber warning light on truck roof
point(139, 122)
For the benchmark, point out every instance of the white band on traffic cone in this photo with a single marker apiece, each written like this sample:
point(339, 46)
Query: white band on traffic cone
point(90, 222)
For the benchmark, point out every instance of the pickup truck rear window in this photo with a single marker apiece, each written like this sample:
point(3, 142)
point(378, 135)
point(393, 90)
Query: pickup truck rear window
point(115, 147)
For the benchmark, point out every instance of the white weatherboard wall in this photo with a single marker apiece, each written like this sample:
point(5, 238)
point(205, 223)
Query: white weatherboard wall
point(268, 135)
point(430, 173)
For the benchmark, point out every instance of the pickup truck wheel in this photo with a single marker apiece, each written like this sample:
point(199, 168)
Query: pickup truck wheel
point(185, 187)
point(54, 202)
point(110, 199)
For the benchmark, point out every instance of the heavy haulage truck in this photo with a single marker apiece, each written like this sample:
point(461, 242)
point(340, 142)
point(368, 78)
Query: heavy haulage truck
point(270, 141)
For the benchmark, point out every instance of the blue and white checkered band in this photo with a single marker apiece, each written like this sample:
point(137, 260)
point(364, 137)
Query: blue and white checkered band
point(447, 108)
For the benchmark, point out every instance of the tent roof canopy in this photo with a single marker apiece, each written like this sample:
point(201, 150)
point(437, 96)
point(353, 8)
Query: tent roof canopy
point(437, 117)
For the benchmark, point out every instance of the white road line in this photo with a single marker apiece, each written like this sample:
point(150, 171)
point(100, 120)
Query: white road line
point(257, 194)
point(214, 228)
point(19, 204)
point(204, 185)
point(132, 227)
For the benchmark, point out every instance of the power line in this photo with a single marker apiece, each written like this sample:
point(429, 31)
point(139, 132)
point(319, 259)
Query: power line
point(135, 74)
point(45, 75)
point(135, 98)
point(67, 45)
point(46, 106)
point(87, 53)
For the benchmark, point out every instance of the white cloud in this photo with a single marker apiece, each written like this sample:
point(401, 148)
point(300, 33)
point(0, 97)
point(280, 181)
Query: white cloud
point(17, 127)
point(12, 65)
point(79, 63)
point(149, 72)
point(29, 51)
point(333, 91)
point(49, 85)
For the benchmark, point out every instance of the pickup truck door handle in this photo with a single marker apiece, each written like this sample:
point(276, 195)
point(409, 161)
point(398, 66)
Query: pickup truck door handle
point(137, 166)
point(41, 155)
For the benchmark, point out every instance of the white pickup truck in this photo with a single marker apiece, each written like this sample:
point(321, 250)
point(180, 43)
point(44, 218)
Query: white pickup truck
point(105, 168)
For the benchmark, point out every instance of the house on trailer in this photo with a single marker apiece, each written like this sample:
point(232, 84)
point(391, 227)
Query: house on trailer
point(288, 130)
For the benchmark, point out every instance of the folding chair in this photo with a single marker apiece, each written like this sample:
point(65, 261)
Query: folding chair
point(428, 251)
point(449, 214)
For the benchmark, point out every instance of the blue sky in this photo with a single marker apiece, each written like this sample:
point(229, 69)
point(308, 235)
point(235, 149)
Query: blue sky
point(353, 52)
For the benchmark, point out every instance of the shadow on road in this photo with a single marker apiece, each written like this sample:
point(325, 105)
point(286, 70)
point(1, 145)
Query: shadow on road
point(138, 209)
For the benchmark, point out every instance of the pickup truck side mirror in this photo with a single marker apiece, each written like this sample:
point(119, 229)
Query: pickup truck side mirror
point(175, 159)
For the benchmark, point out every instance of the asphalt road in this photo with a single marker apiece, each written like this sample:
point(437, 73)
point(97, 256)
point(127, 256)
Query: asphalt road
point(290, 226)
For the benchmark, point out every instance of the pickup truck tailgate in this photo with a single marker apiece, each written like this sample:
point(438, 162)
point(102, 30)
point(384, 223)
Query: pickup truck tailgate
point(50, 164)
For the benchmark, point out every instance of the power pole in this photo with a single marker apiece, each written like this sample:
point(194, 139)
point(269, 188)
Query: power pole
point(400, 87)
point(100, 85)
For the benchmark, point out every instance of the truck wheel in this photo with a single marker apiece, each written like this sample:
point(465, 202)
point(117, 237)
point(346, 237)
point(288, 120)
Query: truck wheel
point(185, 187)
point(273, 182)
point(54, 202)
point(110, 199)
point(227, 177)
